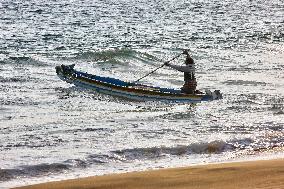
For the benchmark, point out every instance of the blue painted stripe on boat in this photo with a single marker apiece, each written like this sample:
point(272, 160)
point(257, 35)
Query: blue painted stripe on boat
point(118, 82)
point(104, 79)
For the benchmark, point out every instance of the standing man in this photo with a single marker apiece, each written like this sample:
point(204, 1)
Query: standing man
point(190, 83)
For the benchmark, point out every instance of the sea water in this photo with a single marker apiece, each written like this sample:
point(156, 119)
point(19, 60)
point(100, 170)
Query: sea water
point(51, 130)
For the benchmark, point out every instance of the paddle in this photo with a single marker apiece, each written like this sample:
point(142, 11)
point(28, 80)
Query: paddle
point(158, 68)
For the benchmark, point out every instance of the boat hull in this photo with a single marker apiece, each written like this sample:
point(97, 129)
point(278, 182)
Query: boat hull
point(127, 90)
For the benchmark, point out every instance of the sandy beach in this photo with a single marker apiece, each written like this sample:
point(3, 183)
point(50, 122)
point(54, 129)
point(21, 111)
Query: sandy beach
point(250, 175)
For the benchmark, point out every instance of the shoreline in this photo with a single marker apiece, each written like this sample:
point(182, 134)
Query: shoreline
point(244, 174)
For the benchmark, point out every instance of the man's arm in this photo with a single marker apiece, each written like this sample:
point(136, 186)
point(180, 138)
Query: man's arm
point(187, 68)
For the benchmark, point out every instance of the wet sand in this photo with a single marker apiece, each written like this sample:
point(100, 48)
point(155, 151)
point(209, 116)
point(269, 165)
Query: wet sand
point(250, 175)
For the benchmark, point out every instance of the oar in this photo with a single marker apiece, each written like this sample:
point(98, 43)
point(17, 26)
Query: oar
point(157, 68)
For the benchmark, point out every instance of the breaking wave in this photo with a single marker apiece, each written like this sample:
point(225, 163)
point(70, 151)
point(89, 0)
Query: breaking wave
point(115, 56)
point(32, 171)
point(215, 147)
point(125, 155)
point(128, 156)
point(54, 168)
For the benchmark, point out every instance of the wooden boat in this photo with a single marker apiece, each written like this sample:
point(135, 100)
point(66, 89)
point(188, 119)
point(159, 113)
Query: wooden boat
point(130, 90)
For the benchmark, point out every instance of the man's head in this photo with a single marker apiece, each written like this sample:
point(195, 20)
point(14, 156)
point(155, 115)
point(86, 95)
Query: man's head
point(185, 52)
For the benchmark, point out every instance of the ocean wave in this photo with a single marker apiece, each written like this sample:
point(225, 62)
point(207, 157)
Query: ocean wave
point(105, 55)
point(241, 39)
point(21, 101)
point(178, 115)
point(89, 129)
point(22, 60)
point(103, 158)
point(257, 102)
point(52, 168)
point(76, 163)
point(15, 79)
point(115, 56)
point(31, 141)
point(124, 155)
point(271, 36)
point(32, 171)
point(244, 83)
point(214, 147)
point(19, 58)
point(51, 36)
